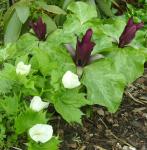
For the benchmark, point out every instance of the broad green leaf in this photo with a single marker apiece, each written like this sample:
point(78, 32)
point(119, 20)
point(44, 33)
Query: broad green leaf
point(10, 105)
point(58, 38)
point(7, 78)
point(13, 29)
point(102, 42)
point(104, 85)
point(129, 62)
point(55, 9)
point(114, 27)
point(27, 43)
point(8, 72)
point(8, 14)
point(52, 144)
point(27, 119)
point(51, 8)
point(105, 7)
point(66, 3)
point(51, 26)
point(83, 11)
point(68, 103)
point(59, 61)
point(3, 53)
point(72, 24)
point(139, 40)
point(23, 12)
point(5, 85)
point(44, 62)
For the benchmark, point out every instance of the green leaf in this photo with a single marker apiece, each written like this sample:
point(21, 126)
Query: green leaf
point(51, 8)
point(105, 7)
point(104, 85)
point(55, 9)
point(58, 38)
point(27, 119)
point(51, 26)
point(8, 72)
point(129, 62)
point(52, 144)
point(5, 85)
point(10, 105)
point(59, 61)
point(83, 11)
point(27, 43)
point(68, 103)
point(7, 78)
point(72, 24)
point(23, 12)
point(114, 27)
point(13, 29)
point(45, 65)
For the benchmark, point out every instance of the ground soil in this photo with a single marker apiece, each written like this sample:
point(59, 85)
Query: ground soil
point(122, 130)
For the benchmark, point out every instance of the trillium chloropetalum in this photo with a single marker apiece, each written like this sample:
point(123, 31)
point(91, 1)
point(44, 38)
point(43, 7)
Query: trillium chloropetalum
point(39, 28)
point(84, 49)
point(41, 132)
point(37, 104)
point(23, 69)
point(70, 80)
point(129, 32)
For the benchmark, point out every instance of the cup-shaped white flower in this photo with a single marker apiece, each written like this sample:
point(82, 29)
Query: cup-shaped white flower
point(37, 104)
point(41, 132)
point(23, 69)
point(70, 80)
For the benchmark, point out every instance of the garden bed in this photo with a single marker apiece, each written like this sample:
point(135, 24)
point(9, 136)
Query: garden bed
point(106, 131)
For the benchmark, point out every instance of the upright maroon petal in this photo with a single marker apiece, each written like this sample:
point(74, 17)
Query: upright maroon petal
point(139, 25)
point(87, 36)
point(84, 49)
point(130, 22)
point(39, 28)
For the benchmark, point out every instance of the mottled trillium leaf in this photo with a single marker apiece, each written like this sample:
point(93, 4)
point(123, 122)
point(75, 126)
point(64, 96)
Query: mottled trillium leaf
point(83, 11)
point(104, 85)
point(27, 42)
point(129, 62)
point(114, 27)
point(68, 103)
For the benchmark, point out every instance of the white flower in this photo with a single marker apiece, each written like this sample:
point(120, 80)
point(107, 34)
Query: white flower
point(128, 148)
point(41, 132)
point(70, 80)
point(23, 69)
point(37, 104)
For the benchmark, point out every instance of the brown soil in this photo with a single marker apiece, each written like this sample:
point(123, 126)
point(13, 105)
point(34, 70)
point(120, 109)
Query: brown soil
point(105, 131)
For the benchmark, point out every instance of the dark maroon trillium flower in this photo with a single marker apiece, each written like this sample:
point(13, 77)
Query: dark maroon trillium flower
point(84, 49)
point(129, 32)
point(39, 28)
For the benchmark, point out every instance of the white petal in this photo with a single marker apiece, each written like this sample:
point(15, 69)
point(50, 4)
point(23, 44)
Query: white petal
point(37, 104)
point(70, 80)
point(23, 69)
point(41, 132)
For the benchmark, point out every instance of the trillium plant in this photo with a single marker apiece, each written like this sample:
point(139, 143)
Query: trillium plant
point(88, 61)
